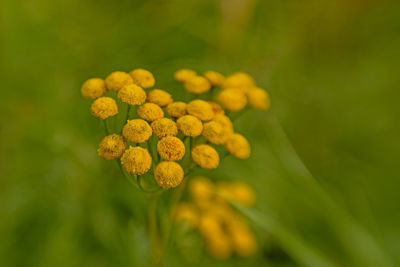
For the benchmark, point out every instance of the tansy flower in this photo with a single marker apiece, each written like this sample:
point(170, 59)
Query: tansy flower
point(197, 85)
point(136, 160)
point(244, 242)
point(238, 192)
point(238, 146)
point(217, 109)
point(239, 80)
point(176, 109)
point(137, 131)
point(219, 246)
point(184, 75)
point(225, 122)
point(209, 225)
point(93, 88)
point(201, 190)
point(168, 174)
point(171, 148)
point(143, 78)
point(104, 107)
point(186, 212)
point(132, 94)
point(118, 79)
point(215, 78)
point(258, 98)
point(159, 97)
point(205, 156)
point(164, 127)
point(150, 112)
point(232, 99)
point(214, 133)
point(111, 147)
point(189, 125)
point(200, 109)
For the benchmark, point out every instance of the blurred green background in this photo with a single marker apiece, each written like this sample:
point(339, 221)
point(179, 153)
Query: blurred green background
point(331, 68)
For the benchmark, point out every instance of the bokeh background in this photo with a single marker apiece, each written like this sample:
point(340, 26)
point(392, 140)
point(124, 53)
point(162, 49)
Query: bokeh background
point(325, 162)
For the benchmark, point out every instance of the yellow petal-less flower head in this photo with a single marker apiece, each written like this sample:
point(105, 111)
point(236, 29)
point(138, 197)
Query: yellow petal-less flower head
point(238, 192)
point(150, 112)
point(244, 242)
point(171, 148)
point(238, 146)
point(219, 246)
point(137, 131)
point(217, 109)
point(200, 109)
point(111, 147)
point(215, 78)
point(197, 85)
point(136, 160)
point(209, 225)
point(205, 156)
point(184, 75)
point(189, 125)
point(132, 94)
point(214, 133)
point(118, 79)
point(232, 99)
point(104, 107)
point(176, 109)
point(258, 98)
point(93, 88)
point(164, 127)
point(168, 174)
point(143, 78)
point(159, 97)
point(188, 213)
point(225, 121)
point(239, 80)
point(201, 190)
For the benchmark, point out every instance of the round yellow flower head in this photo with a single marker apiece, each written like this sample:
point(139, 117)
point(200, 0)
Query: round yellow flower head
point(239, 80)
point(168, 174)
point(189, 125)
point(217, 109)
point(215, 78)
point(238, 192)
point(197, 85)
point(244, 242)
point(104, 107)
point(93, 88)
point(258, 98)
point(164, 127)
point(150, 112)
point(171, 148)
point(184, 75)
point(186, 212)
point(238, 146)
point(159, 97)
point(136, 160)
point(201, 190)
point(132, 94)
point(214, 133)
point(225, 121)
point(219, 246)
point(232, 99)
point(200, 109)
point(143, 78)
point(205, 156)
point(111, 147)
point(209, 225)
point(118, 79)
point(137, 131)
point(176, 109)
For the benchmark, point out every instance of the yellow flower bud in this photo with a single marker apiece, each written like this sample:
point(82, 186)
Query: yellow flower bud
point(168, 174)
point(189, 125)
point(238, 192)
point(150, 112)
point(258, 98)
point(136, 160)
point(200, 109)
point(244, 242)
point(132, 94)
point(118, 79)
point(164, 127)
point(186, 212)
point(205, 156)
point(93, 88)
point(214, 133)
point(104, 107)
point(111, 147)
point(215, 78)
point(225, 122)
point(201, 190)
point(219, 246)
point(176, 109)
point(238, 146)
point(137, 131)
point(143, 78)
point(239, 80)
point(184, 75)
point(159, 97)
point(171, 148)
point(209, 225)
point(232, 99)
point(197, 85)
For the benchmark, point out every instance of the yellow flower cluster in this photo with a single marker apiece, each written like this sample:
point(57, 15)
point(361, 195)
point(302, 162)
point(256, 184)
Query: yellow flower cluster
point(224, 230)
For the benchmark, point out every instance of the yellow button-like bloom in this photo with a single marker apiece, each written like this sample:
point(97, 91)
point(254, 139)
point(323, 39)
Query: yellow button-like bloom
point(143, 78)
point(238, 146)
point(111, 147)
point(214, 133)
point(188, 213)
point(238, 192)
point(232, 99)
point(164, 127)
point(217, 109)
point(215, 78)
point(205, 156)
point(168, 174)
point(209, 225)
point(239, 80)
point(93, 88)
point(171, 148)
point(189, 125)
point(200, 109)
point(258, 98)
point(150, 112)
point(225, 122)
point(137, 131)
point(159, 97)
point(118, 79)
point(244, 242)
point(136, 160)
point(197, 85)
point(176, 109)
point(132, 94)
point(201, 190)
point(104, 107)
point(184, 74)
point(219, 246)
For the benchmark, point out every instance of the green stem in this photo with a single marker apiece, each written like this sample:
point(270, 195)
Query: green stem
point(127, 112)
point(154, 231)
point(106, 127)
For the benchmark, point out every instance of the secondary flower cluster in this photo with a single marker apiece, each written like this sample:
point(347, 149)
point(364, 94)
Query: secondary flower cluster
point(224, 230)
